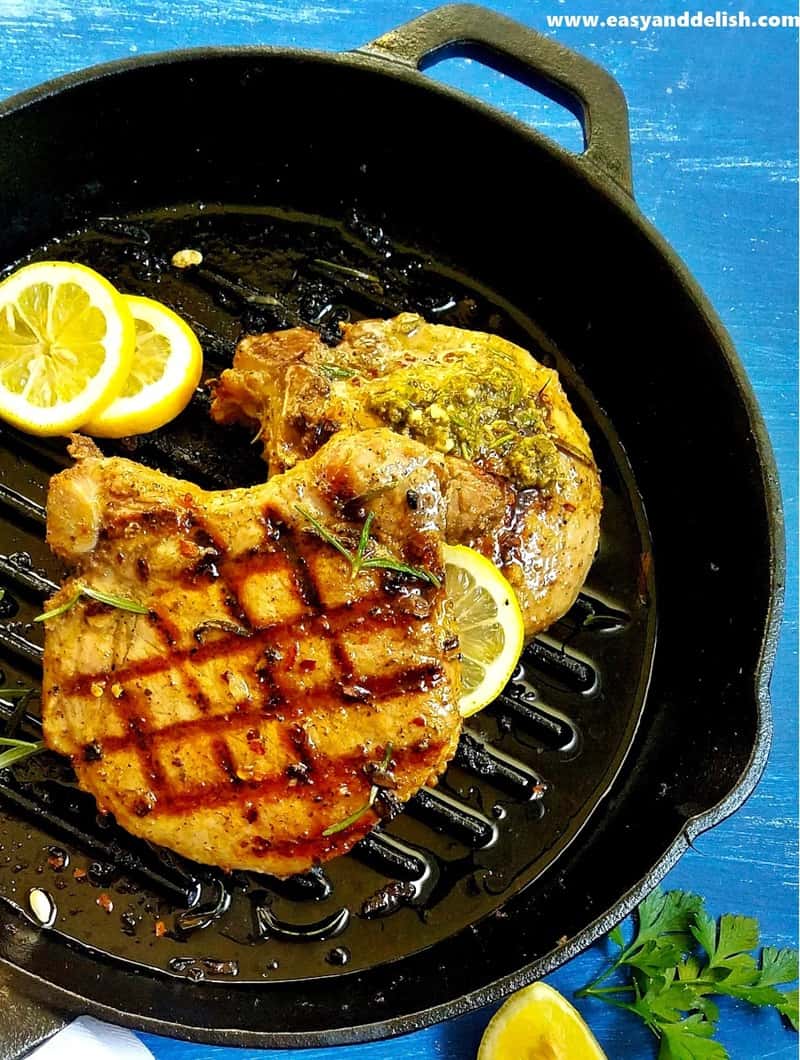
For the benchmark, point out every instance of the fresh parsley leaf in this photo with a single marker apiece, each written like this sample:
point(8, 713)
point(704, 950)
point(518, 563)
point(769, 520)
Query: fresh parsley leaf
point(788, 1007)
point(657, 955)
point(664, 923)
point(689, 968)
point(615, 934)
point(704, 930)
point(678, 958)
point(707, 1008)
point(752, 993)
point(670, 1004)
point(735, 937)
point(778, 966)
point(690, 1040)
point(740, 976)
point(667, 913)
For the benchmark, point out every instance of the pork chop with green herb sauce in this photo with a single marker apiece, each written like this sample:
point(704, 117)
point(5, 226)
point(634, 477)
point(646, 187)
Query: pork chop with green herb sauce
point(521, 482)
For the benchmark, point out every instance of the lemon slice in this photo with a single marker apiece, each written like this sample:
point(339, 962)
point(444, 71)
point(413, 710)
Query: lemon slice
point(66, 346)
point(537, 1023)
point(166, 369)
point(490, 628)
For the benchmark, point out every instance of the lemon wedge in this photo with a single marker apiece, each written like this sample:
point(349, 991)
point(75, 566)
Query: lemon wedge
point(491, 631)
point(166, 368)
point(66, 346)
point(537, 1023)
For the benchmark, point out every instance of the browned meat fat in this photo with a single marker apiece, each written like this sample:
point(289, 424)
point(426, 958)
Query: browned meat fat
point(242, 719)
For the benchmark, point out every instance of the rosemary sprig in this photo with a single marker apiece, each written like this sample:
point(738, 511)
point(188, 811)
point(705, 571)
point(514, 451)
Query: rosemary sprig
point(503, 439)
point(335, 371)
point(121, 602)
point(358, 560)
point(363, 541)
point(18, 750)
point(384, 563)
point(326, 535)
point(347, 270)
point(373, 794)
point(221, 624)
point(351, 818)
point(576, 454)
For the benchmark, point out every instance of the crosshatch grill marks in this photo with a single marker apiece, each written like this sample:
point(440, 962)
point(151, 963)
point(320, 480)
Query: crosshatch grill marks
point(279, 691)
point(330, 775)
point(301, 748)
point(231, 645)
point(134, 715)
point(275, 679)
point(339, 654)
point(223, 756)
point(342, 657)
point(307, 588)
point(417, 681)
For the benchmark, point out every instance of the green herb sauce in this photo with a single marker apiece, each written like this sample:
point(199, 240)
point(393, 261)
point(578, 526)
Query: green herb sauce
point(475, 408)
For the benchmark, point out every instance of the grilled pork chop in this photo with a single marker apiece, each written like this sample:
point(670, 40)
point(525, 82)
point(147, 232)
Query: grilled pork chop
point(270, 705)
point(522, 485)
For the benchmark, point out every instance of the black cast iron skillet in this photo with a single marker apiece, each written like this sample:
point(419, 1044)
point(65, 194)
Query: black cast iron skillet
point(582, 785)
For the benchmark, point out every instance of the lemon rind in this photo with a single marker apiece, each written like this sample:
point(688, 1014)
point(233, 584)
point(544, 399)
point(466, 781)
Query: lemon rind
point(155, 404)
point(500, 671)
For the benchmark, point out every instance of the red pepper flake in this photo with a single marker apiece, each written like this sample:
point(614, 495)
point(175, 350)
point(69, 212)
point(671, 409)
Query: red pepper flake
point(56, 862)
point(104, 901)
point(307, 665)
point(79, 874)
point(256, 746)
point(419, 721)
point(187, 548)
point(160, 928)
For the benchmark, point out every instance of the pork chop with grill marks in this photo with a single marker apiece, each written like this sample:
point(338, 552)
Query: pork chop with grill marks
point(522, 485)
point(249, 718)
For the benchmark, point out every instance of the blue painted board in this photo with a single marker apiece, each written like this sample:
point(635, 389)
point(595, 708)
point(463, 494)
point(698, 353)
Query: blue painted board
point(714, 130)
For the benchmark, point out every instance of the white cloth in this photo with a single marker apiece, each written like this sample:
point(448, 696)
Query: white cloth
point(89, 1039)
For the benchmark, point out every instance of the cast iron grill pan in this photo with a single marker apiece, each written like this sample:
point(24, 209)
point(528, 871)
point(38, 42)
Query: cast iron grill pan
point(479, 885)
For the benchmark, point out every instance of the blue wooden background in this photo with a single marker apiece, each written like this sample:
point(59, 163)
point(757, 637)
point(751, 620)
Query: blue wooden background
point(714, 127)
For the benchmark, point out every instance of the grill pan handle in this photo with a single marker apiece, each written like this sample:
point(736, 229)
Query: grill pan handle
point(584, 88)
